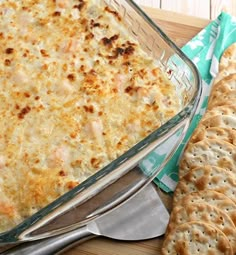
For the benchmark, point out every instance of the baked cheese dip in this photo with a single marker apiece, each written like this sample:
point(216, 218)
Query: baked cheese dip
point(76, 92)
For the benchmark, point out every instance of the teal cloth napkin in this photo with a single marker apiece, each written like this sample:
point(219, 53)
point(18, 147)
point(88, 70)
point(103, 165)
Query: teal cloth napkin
point(205, 50)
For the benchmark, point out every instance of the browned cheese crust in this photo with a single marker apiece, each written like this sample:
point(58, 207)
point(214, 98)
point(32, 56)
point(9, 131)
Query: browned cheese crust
point(76, 92)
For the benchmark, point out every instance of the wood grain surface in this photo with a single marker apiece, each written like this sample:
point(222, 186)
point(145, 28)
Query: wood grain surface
point(200, 8)
point(208, 9)
point(180, 29)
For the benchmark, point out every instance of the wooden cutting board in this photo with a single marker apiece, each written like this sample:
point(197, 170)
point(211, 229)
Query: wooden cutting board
point(180, 28)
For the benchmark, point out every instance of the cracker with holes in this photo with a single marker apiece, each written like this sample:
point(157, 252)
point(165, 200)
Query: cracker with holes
point(206, 178)
point(205, 213)
point(193, 238)
point(221, 110)
point(213, 198)
point(226, 98)
point(228, 57)
point(225, 85)
point(223, 121)
point(212, 152)
point(230, 69)
point(225, 134)
point(223, 92)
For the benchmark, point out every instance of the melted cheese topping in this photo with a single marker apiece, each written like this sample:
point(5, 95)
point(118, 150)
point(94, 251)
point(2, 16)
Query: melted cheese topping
point(76, 92)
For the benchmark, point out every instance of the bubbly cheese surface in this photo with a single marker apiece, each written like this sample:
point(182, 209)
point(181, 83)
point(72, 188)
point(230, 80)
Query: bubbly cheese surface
point(76, 92)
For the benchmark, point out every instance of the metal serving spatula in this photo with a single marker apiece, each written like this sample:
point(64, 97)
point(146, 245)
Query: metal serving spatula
point(142, 217)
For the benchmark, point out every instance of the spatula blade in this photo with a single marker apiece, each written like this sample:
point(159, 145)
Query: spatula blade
point(142, 217)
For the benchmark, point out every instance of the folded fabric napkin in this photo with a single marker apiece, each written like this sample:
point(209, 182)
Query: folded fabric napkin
point(205, 50)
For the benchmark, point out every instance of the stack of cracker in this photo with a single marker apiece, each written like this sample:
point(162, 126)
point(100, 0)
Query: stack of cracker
point(203, 219)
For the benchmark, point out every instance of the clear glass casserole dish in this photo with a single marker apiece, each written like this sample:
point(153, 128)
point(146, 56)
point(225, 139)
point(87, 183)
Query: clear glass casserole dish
point(129, 173)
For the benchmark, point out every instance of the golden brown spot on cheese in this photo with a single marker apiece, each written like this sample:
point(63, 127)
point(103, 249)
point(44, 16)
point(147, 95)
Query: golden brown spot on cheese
point(89, 36)
point(7, 62)
point(125, 52)
point(156, 71)
point(84, 22)
point(72, 184)
point(62, 173)
point(45, 67)
point(142, 73)
point(115, 90)
point(94, 24)
point(118, 51)
point(56, 14)
point(76, 163)
point(7, 209)
point(82, 68)
point(9, 50)
point(27, 94)
point(71, 77)
point(44, 53)
point(95, 162)
point(73, 135)
point(129, 50)
point(115, 13)
point(108, 41)
point(89, 108)
point(80, 6)
point(23, 112)
point(128, 89)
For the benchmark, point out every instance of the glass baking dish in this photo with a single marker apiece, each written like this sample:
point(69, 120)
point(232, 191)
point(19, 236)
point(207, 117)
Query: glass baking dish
point(129, 173)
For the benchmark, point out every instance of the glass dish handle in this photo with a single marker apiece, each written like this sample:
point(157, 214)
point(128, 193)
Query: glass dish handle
point(52, 245)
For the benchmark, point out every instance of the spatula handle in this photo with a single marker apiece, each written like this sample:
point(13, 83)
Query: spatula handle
point(52, 245)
